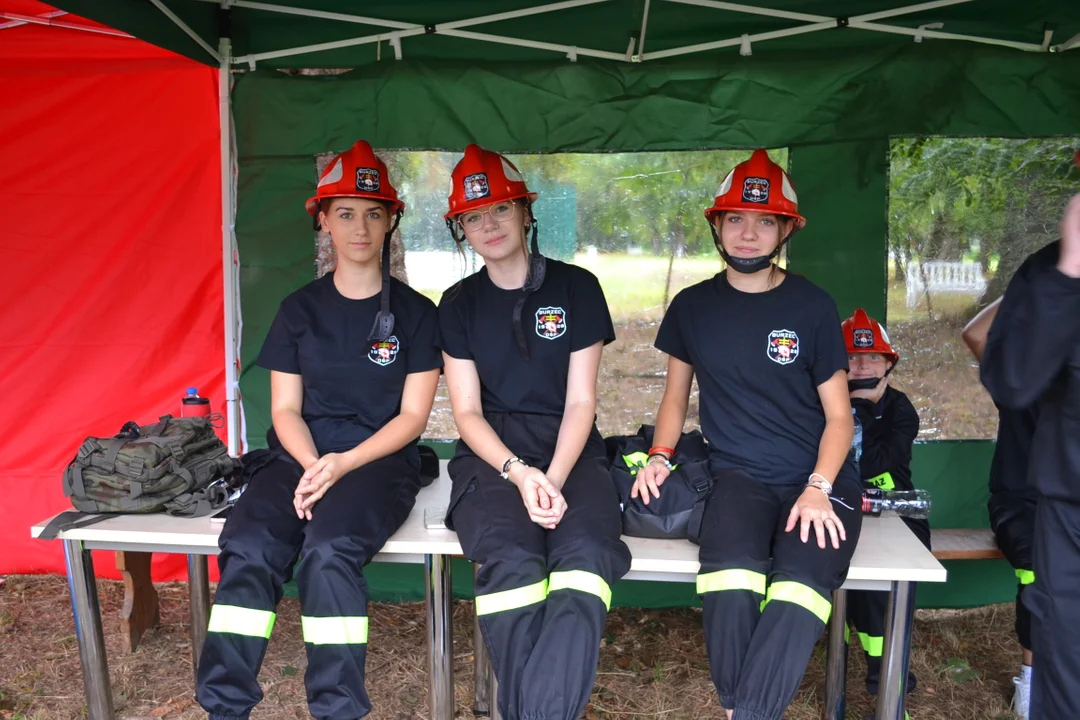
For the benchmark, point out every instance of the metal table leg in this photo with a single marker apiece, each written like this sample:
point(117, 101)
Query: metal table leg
point(894, 657)
point(439, 595)
point(481, 668)
point(836, 659)
point(199, 593)
point(84, 604)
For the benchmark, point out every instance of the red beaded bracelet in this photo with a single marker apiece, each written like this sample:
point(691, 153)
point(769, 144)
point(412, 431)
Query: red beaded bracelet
point(657, 449)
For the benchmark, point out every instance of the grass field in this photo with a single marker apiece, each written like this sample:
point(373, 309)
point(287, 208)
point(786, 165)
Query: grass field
point(936, 370)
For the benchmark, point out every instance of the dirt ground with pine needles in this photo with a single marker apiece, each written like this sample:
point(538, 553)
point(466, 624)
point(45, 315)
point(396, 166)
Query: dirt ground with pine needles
point(652, 665)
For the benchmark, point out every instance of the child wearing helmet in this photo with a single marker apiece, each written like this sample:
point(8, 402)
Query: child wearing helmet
point(351, 387)
point(532, 500)
point(889, 424)
point(771, 366)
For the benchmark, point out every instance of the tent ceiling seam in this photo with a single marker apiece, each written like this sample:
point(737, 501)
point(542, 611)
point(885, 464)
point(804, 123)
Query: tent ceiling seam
point(812, 23)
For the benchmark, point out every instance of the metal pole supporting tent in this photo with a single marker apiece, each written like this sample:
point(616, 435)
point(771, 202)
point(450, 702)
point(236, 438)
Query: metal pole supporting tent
point(397, 30)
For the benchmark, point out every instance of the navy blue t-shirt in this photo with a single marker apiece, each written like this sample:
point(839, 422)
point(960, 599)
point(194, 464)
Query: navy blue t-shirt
point(352, 386)
point(759, 359)
point(568, 313)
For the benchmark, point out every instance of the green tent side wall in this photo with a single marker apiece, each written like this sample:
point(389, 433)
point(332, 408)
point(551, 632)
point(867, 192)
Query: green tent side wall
point(835, 111)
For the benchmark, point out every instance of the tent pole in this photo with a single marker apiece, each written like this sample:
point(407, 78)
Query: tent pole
point(641, 37)
point(46, 19)
point(819, 23)
point(452, 28)
point(187, 30)
point(228, 251)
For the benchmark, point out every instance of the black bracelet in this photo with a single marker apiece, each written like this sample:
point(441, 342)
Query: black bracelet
point(506, 466)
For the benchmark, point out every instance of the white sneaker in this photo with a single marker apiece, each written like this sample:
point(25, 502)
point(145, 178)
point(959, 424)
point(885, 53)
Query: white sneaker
point(1021, 703)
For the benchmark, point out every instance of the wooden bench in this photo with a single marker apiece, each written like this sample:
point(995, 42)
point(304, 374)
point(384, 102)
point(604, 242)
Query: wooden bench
point(970, 544)
point(889, 558)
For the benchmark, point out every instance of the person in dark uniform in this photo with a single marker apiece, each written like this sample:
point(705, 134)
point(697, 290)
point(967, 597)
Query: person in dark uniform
point(783, 519)
point(1012, 504)
point(533, 502)
point(353, 369)
point(1032, 358)
point(887, 425)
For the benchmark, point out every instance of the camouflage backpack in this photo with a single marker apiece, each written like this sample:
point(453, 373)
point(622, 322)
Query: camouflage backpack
point(176, 465)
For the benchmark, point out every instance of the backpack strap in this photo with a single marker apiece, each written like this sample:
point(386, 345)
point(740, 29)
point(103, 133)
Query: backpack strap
point(700, 479)
point(173, 444)
point(73, 481)
point(69, 521)
point(112, 449)
point(197, 504)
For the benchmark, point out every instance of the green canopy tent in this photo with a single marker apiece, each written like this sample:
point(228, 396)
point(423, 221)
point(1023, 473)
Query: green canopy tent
point(832, 80)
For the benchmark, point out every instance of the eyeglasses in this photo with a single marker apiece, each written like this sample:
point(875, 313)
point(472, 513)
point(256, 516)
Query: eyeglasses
point(499, 212)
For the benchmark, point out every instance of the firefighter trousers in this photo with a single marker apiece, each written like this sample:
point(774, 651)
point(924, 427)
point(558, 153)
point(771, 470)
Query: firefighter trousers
point(767, 596)
point(260, 543)
point(1055, 611)
point(542, 596)
point(1012, 517)
point(866, 612)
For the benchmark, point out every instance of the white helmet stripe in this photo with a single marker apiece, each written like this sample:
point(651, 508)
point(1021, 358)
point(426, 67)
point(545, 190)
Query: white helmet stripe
point(334, 175)
point(726, 185)
point(787, 189)
point(511, 174)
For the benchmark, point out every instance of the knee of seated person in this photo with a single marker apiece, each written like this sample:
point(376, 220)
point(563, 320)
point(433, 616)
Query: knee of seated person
point(592, 553)
point(333, 551)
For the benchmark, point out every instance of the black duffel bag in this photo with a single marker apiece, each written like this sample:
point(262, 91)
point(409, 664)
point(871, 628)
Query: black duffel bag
point(677, 513)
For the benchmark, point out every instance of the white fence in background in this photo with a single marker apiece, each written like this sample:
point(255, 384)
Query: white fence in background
point(941, 276)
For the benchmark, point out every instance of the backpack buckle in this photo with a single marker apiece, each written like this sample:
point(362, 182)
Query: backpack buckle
point(136, 467)
point(177, 449)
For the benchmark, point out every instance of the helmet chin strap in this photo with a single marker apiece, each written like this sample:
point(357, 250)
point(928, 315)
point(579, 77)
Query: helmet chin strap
point(746, 265)
point(867, 383)
point(534, 278)
point(384, 320)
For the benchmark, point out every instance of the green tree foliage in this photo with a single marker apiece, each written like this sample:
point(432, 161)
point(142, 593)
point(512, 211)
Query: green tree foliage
point(648, 201)
point(990, 200)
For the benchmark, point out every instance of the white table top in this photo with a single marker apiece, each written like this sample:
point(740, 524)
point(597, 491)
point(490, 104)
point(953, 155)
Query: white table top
point(887, 550)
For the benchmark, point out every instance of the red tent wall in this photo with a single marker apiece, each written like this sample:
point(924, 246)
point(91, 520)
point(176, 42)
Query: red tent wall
point(110, 257)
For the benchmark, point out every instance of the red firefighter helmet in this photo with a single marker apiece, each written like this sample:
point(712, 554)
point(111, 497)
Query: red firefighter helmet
point(482, 178)
point(863, 334)
point(758, 185)
point(357, 173)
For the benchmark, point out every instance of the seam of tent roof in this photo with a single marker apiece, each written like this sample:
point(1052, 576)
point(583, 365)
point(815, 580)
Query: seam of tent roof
point(397, 30)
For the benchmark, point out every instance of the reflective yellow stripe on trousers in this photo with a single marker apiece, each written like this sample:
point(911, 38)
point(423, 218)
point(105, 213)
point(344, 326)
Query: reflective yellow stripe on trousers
point(733, 579)
point(335, 630)
point(511, 599)
point(241, 621)
point(802, 595)
point(581, 580)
